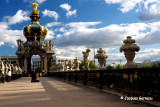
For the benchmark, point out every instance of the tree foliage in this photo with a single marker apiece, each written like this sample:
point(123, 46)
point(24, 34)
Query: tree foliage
point(155, 66)
point(119, 66)
point(109, 67)
point(38, 70)
point(92, 66)
point(145, 65)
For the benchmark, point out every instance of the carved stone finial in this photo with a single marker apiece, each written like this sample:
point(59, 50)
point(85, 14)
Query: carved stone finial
point(76, 64)
point(129, 50)
point(101, 56)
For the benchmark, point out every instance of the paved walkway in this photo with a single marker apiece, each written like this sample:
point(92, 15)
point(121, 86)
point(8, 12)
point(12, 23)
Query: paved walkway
point(52, 93)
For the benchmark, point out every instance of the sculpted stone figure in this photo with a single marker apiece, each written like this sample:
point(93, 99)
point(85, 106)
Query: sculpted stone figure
point(6, 68)
point(86, 59)
point(70, 64)
point(76, 64)
point(129, 49)
point(47, 45)
point(2, 67)
point(20, 44)
point(101, 56)
point(66, 65)
point(51, 43)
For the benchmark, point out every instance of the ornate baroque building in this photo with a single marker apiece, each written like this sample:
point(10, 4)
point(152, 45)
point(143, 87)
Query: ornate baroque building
point(35, 45)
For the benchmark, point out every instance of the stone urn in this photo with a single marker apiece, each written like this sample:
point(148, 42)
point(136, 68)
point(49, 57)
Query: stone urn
point(101, 56)
point(76, 64)
point(129, 49)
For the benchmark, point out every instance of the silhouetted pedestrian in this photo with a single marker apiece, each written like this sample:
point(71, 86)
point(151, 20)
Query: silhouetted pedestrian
point(9, 75)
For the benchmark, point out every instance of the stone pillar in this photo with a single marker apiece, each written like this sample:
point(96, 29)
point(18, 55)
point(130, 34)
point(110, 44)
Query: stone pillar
point(45, 64)
point(129, 49)
point(86, 59)
point(76, 64)
point(25, 65)
point(101, 56)
point(42, 64)
point(29, 69)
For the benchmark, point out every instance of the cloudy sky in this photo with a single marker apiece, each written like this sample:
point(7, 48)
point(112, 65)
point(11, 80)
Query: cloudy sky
point(75, 25)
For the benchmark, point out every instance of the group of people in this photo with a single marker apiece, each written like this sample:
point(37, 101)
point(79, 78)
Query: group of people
point(9, 74)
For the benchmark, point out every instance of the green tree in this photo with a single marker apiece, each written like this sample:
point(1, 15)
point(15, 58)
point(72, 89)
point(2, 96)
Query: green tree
point(145, 65)
point(38, 70)
point(119, 66)
point(81, 65)
point(109, 67)
point(155, 66)
point(92, 66)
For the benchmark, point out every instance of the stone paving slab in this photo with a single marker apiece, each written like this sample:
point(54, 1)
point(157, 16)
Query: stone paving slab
point(53, 93)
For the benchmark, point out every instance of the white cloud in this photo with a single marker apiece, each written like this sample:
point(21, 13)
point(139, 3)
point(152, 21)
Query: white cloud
point(85, 34)
point(49, 13)
point(67, 7)
point(38, 1)
point(53, 24)
point(50, 35)
point(151, 11)
point(147, 9)
point(153, 54)
point(10, 36)
point(19, 17)
point(126, 5)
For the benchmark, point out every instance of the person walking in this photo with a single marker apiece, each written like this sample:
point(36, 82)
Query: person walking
point(9, 75)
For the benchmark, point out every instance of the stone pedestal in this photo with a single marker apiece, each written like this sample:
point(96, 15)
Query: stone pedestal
point(129, 51)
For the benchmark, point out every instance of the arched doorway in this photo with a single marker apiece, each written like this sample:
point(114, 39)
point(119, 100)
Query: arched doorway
point(36, 63)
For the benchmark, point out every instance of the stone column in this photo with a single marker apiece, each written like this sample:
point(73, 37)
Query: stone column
point(42, 64)
point(101, 56)
point(129, 49)
point(45, 64)
point(86, 59)
point(25, 65)
point(76, 64)
point(29, 69)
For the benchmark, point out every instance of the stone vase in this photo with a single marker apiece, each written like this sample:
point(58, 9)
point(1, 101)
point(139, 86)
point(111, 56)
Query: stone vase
point(129, 55)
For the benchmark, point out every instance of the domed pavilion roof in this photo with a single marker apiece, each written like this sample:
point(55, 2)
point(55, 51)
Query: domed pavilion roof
point(35, 31)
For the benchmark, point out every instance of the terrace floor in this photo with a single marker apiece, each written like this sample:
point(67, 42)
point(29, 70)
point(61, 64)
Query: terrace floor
point(53, 93)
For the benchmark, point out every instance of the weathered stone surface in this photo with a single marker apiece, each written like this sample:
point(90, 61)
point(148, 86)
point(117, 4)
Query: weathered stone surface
point(101, 56)
point(70, 64)
point(129, 49)
point(86, 59)
point(76, 64)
